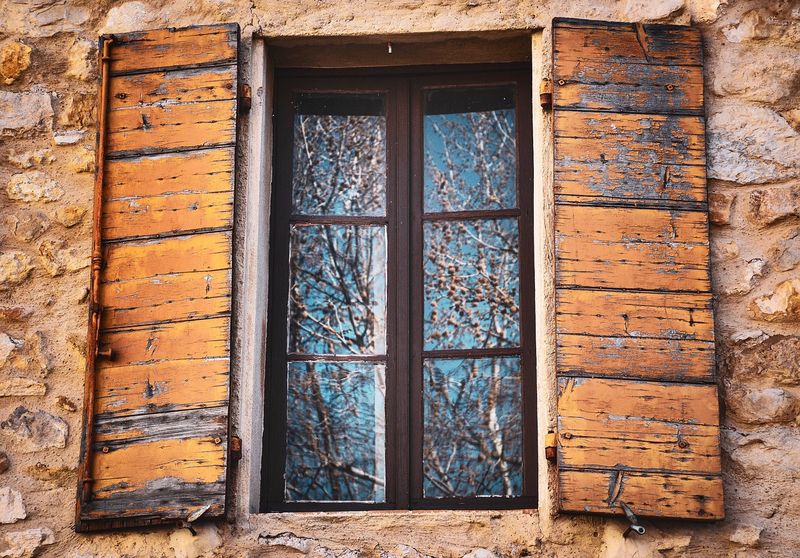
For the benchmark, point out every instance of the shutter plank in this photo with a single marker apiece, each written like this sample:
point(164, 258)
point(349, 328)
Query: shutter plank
point(599, 247)
point(175, 48)
point(173, 297)
point(175, 385)
point(638, 414)
point(620, 158)
point(155, 447)
point(635, 358)
point(654, 494)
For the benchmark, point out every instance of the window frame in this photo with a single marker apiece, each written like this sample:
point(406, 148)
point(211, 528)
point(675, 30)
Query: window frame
point(404, 89)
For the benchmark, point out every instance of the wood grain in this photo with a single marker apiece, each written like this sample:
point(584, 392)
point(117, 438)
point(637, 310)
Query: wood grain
point(149, 258)
point(154, 129)
point(648, 494)
point(172, 297)
point(170, 48)
point(635, 314)
point(620, 42)
point(166, 386)
point(677, 360)
point(629, 158)
point(628, 248)
point(638, 425)
point(173, 87)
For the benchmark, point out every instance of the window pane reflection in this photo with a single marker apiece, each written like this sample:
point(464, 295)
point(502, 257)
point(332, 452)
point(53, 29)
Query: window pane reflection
point(471, 284)
point(339, 155)
point(336, 432)
point(470, 149)
point(337, 289)
point(472, 444)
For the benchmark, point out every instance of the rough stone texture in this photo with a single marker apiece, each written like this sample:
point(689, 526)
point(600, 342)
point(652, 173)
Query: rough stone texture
point(752, 88)
point(14, 268)
point(27, 543)
point(37, 430)
point(33, 186)
point(14, 59)
point(11, 387)
point(24, 112)
point(5, 462)
point(12, 508)
point(781, 305)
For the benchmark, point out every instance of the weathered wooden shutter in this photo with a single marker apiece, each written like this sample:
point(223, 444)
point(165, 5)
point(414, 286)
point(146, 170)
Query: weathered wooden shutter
point(638, 416)
point(156, 408)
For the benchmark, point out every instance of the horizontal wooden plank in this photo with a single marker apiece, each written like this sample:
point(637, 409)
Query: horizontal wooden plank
point(172, 87)
point(639, 88)
point(638, 425)
point(174, 297)
point(626, 248)
point(623, 43)
point(195, 172)
point(167, 214)
point(635, 314)
point(648, 494)
point(646, 401)
point(174, 385)
point(196, 339)
point(628, 158)
point(679, 360)
point(152, 129)
point(142, 259)
point(169, 48)
point(117, 433)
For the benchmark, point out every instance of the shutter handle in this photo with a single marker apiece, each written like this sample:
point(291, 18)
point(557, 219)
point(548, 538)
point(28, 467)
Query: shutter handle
point(634, 521)
point(107, 354)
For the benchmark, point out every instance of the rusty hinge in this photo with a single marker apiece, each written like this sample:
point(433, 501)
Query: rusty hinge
point(550, 443)
point(245, 97)
point(546, 94)
point(235, 446)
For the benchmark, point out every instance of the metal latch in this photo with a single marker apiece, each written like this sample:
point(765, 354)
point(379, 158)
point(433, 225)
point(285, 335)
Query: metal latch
point(550, 445)
point(634, 521)
point(245, 97)
point(546, 94)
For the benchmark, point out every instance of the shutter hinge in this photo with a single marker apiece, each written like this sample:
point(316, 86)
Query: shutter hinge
point(245, 97)
point(550, 443)
point(546, 94)
point(235, 446)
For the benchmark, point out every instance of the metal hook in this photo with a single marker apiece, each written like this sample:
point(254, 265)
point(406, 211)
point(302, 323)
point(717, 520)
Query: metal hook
point(634, 521)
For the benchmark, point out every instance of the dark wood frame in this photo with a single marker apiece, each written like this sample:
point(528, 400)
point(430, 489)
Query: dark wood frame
point(403, 89)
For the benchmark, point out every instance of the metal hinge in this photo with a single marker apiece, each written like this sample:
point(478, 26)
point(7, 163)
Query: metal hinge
point(550, 443)
point(546, 94)
point(235, 447)
point(245, 97)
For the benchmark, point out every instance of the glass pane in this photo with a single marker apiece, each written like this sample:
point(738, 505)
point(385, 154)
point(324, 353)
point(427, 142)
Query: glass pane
point(471, 284)
point(337, 289)
point(472, 444)
point(470, 149)
point(339, 155)
point(336, 432)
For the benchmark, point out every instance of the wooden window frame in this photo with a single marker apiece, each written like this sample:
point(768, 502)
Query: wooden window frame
point(403, 89)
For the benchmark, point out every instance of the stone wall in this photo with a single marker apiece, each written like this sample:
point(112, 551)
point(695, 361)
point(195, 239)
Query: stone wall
point(47, 103)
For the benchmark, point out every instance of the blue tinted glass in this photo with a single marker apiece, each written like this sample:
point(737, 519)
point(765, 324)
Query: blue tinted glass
point(336, 432)
point(471, 284)
point(472, 444)
point(337, 289)
point(470, 149)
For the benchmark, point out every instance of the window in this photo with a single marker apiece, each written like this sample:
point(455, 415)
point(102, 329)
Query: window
point(400, 370)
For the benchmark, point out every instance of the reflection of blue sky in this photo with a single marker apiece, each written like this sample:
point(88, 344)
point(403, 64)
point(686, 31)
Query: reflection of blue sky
point(335, 432)
point(471, 284)
point(472, 444)
point(337, 289)
point(475, 153)
point(339, 165)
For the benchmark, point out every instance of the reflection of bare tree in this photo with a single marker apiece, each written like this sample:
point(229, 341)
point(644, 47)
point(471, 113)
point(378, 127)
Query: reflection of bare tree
point(473, 432)
point(339, 165)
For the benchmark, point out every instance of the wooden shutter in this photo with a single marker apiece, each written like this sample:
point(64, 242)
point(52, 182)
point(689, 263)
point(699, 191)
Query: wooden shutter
point(155, 434)
point(638, 416)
